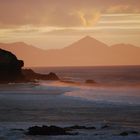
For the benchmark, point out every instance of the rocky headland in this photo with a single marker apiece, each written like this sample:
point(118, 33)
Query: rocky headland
point(11, 70)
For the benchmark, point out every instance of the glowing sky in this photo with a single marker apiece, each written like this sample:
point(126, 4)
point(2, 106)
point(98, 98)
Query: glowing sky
point(57, 23)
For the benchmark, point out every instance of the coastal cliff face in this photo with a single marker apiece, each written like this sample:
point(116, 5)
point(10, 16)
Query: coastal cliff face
point(10, 67)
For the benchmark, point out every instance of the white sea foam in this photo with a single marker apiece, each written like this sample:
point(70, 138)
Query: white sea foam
point(113, 95)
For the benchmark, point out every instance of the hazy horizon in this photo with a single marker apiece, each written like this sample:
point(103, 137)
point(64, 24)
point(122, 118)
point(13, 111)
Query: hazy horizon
point(69, 44)
point(87, 51)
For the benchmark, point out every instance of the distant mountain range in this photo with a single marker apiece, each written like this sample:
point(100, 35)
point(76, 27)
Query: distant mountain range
point(85, 52)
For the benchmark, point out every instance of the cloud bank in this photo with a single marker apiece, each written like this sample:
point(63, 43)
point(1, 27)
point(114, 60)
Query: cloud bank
point(61, 13)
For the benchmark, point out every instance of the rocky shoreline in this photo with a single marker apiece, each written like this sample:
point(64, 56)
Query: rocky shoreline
point(74, 130)
point(29, 74)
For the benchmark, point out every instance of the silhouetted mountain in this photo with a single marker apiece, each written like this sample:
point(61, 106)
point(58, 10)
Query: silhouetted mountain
point(126, 54)
point(86, 42)
point(30, 54)
point(85, 52)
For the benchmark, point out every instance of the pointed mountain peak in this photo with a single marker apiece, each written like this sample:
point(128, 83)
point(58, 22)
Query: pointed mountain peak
point(88, 38)
point(86, 43)
point(90, 41)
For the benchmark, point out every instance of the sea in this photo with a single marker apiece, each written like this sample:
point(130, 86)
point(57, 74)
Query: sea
point(112, 100)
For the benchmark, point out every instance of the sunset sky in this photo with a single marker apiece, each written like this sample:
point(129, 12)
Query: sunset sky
point(58, 23)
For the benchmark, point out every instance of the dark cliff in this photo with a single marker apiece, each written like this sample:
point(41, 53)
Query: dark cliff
point(10, 67)
point(11, 70)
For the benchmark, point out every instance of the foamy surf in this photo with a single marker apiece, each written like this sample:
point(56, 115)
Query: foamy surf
point(65, 103)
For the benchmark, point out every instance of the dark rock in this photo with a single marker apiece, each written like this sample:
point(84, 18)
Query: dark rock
point(79, 127)
point(90, 81)
point(55, 130)
point(134, 132)
point(92, 127)
point(47, 130)
point(68, 82)
point(11, 70)
point(30, 74)
point(15, 129)
point(105, 126)
point(124, 134)
point(10, 67)
point(51, 76)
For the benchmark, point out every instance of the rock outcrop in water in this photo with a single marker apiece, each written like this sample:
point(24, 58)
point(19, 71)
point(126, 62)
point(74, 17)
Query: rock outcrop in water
point(55, 130)
point(89, 81)
point(10, 67)
point(47, 130)
point(126, 133)
point(31, 75)
point(11, 70)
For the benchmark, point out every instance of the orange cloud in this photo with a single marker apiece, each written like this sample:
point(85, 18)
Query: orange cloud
point(122, 9)
point(57, 13)
point(89, 18)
